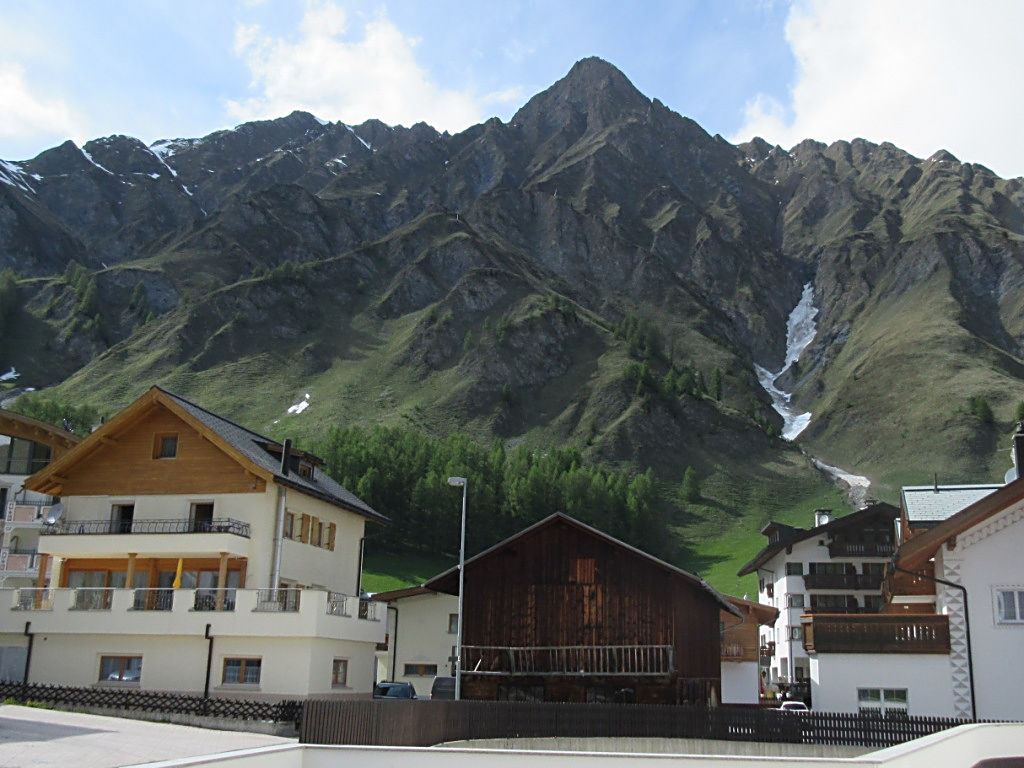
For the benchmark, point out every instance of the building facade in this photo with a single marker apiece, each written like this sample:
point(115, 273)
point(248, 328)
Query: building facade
point(834, 567)
point(26, 446)
point(182, 537)
point(564, 612)
point(423, 629)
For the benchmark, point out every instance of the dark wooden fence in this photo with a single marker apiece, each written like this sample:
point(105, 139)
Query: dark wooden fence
point(151, 701)
point(426, 723)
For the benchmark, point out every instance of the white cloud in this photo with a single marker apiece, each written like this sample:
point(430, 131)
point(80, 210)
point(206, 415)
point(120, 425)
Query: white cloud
point(338, 75)
point(27, 114)
point(923, 74)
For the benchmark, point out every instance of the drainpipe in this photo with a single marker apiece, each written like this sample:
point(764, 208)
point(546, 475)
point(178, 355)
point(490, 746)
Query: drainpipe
point(394, 643)
point(209, 660)
point(967, 625)
point(282, 500)
point(28, 657)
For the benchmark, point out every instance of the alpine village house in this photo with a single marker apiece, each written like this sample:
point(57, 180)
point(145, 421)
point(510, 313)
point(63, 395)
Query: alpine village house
point(190, 554)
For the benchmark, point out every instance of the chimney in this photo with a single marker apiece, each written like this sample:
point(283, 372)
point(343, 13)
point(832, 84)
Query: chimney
point(1018, 449)
point(286, 457)
point(822, 516)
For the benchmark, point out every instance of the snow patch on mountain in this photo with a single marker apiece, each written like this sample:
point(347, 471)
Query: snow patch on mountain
point(362, 141)
point(857, 485)
point(88, 157)
point(800, 330)
point(300, 406)
point(12, 175)
point(11, 375)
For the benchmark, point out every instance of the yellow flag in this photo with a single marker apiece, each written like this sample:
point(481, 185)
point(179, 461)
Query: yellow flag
point(177, 574)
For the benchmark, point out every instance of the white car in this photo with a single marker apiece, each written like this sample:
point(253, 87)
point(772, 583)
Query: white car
point(794, 706)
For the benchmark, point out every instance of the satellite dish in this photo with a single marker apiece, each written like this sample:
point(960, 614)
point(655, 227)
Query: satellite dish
point(56, 513)
point(1010, 476)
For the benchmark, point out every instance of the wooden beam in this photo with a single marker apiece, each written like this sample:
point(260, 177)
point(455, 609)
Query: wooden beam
point(222, 580)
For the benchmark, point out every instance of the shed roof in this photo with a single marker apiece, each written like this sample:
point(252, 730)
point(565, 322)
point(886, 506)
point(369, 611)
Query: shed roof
point(931, 504)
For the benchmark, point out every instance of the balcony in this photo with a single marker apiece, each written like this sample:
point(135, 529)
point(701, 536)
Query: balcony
point(19, 562)
point(877, 633)
point(186, 612)
point(173, 525)
point(26, 513)
point(767, 651)
point(732, 652)
point(866, 581)
point(861, 549)
point(570, 660)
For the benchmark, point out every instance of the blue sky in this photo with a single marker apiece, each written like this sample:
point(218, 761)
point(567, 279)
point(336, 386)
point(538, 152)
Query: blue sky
point(159, 68)
point(786, 70)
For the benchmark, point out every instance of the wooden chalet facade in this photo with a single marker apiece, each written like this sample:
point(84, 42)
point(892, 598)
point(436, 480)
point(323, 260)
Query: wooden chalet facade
point(563, 612)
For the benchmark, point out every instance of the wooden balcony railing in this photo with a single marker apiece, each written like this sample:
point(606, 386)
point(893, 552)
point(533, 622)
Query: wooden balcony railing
point(569, 660)
point(732, 652)
point(843, 581)
point(861, 549)
point(876, 633)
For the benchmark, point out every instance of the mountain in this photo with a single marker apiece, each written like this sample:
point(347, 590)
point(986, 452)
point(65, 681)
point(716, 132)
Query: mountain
point(584, 273)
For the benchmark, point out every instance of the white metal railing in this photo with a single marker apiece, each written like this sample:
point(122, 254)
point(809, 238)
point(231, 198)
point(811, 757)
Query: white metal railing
point(233, 600)
point(26, 512)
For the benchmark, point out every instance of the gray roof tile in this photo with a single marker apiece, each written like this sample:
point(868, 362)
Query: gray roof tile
point(251, 445)
point(933, 504)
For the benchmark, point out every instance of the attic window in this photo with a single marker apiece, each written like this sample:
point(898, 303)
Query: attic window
point(165, 446)
point(305, 470)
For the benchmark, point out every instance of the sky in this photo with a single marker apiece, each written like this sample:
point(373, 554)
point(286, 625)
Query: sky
point(923, 74)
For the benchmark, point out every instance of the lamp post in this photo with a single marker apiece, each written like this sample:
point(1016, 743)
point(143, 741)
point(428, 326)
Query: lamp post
point(460, 482)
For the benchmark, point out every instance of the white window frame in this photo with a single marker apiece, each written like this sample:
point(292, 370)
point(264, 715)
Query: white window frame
point(886, 708)
point(997, 604)
point(334, 682)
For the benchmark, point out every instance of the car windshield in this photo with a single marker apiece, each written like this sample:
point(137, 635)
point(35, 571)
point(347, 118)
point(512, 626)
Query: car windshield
point(393, 691)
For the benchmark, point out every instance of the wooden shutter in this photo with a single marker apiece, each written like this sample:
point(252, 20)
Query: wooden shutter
point(304, 531)
point(332, 529)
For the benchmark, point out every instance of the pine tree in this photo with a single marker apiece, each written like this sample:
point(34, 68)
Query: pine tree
point(691, 486)
point(717, 384)
point(1019, 415)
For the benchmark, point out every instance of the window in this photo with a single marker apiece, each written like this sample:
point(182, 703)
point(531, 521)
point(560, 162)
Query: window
point(165, 446)
point(289, 525)
point(420, 670)
point(796, 601)
point(874, 569)
point(872, 603)
point(1010, 606)
point(305, 469)
point(794, 569)
point(339, 673)
point(453, 623)
point(882, 701)
point(120, 669)
point(241, 671)
point(796, 633)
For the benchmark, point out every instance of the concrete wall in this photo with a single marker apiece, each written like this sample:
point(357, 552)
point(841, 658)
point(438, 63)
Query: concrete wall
point(740, 682)
point(962, 746)
point(835, 678)
point(291, 667)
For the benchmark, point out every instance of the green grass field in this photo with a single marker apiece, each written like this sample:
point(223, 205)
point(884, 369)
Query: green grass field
point(384, 571)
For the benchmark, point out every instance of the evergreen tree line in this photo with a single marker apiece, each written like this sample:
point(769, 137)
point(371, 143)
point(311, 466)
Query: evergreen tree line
point(8, 300)
point(404, 475)
point(80, 419)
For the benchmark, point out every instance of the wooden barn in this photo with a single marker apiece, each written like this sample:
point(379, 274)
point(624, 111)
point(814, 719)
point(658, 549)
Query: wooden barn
point(564, 612)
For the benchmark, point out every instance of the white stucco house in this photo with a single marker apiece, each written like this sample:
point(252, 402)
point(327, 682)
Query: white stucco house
point(191, 554)
point(423, 629)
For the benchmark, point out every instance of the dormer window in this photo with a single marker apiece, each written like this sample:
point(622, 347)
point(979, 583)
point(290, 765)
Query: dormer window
point(165, 446)
point(305, 470)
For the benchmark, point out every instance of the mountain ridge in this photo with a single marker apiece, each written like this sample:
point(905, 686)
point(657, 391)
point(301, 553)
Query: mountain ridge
point(583, 273)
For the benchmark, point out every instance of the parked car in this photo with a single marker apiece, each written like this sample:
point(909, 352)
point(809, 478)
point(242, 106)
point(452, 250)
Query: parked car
point(389, 690)
point(794, 706)
point(443, 688)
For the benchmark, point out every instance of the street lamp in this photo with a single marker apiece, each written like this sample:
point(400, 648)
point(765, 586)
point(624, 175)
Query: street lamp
point(460, 482)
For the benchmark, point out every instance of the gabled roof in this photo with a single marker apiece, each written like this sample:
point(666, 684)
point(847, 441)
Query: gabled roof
point(27, 428)
point(435, 585)
point(931, 504)
point(920, 548)
point(788, 535)
point(764, 614)
point(247, 447)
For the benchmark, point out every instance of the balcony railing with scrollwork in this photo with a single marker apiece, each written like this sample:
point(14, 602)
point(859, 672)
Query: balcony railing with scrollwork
point(173, 525)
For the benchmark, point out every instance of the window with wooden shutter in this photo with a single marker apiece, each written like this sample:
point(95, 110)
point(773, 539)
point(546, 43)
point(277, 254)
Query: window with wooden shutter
point(304, 530)
point(332, 531)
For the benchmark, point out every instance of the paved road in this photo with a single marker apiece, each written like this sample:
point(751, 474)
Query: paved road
point(41, 738)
